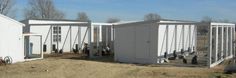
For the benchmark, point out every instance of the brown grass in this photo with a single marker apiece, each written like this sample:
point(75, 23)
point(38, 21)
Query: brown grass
point(202, 43)
point(72, 66)
point(75, 66)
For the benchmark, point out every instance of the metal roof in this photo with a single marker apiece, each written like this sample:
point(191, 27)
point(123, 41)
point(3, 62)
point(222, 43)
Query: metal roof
point(3, 16)
point(55, 22)
point(162, 21)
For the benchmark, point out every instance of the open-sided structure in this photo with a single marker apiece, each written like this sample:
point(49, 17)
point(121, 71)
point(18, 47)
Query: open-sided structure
point(11, 41)
point(149, 41)
point(70, 35)
point(28, 51)
point(102, 37)
point(221, 44)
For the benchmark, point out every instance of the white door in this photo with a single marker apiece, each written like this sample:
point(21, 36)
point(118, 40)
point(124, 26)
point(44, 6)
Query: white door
point(142, 41)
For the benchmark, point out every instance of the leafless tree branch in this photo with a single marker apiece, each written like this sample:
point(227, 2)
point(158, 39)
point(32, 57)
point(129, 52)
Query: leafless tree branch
point(82, 16)
point(6, 6)
point(113, 20)
point(152, 16)
point(42, 9)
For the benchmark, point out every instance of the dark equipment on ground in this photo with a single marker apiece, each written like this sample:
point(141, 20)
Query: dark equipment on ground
point(6, 60)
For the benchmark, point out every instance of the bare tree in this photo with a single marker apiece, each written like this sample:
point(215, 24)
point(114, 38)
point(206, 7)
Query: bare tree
point(113, 20)
point(206, 19)
point(226, 21)
point(42, 9)
point(223, 20)
point(6, 6)
point(203, 26)
point(152, 16)
point(82, 16)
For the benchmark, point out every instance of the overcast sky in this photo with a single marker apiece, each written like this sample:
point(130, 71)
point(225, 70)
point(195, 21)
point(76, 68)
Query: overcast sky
point(128, 10)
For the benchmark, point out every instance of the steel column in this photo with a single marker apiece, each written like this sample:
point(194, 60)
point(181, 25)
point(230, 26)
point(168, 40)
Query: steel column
point(176, 38)
point(51, 38)
point(210, 46)
point(231, 40)
point(222, 42)
point(90, 41)
point(41, 46)
point(227, 41)
point(70, 40)
point(183, 29)
point(190, 32)
point(216, 44)
point(167, 38)
point(57, 38)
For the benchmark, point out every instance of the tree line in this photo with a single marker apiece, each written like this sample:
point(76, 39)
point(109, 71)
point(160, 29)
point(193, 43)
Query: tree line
point(45, 9)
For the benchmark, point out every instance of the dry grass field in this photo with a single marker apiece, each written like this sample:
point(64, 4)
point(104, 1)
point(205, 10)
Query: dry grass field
point(73, 66)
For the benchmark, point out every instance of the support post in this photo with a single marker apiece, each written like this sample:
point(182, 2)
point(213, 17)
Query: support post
point(190, 32)
point(231, 40)
point(100, 36)
point(78, 35)
point(216, 44)
point(222, 42)
point(227, 41)
point(51, 39)
point(113, 36)
point(57, 39)
point(210, 46)
point(176, 38)
point(183, 33)
point(167, 39)
point(41, 47)
point(98, 39)
point(70, 40)
point(195, 40)
point(90, 41)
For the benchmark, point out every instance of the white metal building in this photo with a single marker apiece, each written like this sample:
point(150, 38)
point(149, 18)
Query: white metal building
point(221, 44)
point(11, 42)
point(68, 34)
point(147, 41)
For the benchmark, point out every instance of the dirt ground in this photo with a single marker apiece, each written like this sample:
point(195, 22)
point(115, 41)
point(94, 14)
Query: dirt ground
point(73, 66)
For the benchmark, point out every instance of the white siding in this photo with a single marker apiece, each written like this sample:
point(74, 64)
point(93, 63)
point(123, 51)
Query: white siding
point(153, 43)
point(161, 40)
point(186, 37)
point(193, 37)
point(124, 44)
point(11, 43)
point(179, 38)
point(171, 39)
point(138, 45)
point(44, 31)
point(148, 42)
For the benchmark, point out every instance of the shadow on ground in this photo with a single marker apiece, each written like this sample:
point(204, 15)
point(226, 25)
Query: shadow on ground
point(110, 59)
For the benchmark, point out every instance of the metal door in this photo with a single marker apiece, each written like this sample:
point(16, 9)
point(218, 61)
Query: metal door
point(142, 41)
